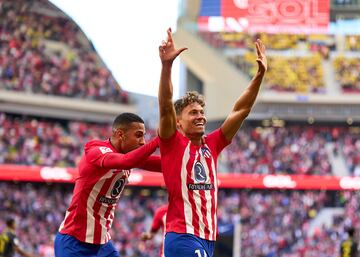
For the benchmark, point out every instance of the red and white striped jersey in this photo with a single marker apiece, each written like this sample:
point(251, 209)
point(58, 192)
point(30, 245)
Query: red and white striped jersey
point(96, 193)
point(159, 222)
point(190, 176)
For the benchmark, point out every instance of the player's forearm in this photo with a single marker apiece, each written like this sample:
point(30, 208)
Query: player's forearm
point(131, 159)
point(167, 121)
point(247, 99)
point(153, 163)
point(165, 89)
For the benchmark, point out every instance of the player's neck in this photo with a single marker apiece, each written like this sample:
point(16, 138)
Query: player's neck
point(116, 144)
point(195, 139)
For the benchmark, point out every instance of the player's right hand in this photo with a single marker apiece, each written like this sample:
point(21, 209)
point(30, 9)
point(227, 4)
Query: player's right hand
point(167, 50)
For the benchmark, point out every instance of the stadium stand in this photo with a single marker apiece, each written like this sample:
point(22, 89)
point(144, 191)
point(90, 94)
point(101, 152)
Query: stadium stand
point(304, 74)
point(46, 142)
point(241, 40)
point(42, 51)
point(292, 149)
point(274, 223)
point(30, 62)
point(347, 73)
point(299, 74)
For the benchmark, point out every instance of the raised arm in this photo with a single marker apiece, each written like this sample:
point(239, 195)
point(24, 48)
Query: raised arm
point(247, 99)
point(167, 53)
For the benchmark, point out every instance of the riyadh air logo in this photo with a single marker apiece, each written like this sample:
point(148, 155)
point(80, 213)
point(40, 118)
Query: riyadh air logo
point(205, 152)
point(199, 172)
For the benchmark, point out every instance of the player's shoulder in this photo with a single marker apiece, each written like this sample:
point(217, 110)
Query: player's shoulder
point(103, 145)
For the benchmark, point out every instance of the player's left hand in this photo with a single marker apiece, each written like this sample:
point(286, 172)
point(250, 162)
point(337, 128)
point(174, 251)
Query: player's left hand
point(146, 236)
point(261, 56)
point(167, 50)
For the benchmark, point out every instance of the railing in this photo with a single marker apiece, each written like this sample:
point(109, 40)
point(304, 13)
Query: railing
point(344, 3)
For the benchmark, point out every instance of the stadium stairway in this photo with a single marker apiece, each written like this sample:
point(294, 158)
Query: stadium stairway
point(337, 161)
point(223, 82)
point(332, 87)
point(324, 218)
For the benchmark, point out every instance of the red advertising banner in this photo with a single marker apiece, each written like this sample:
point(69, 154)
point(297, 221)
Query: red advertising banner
point(145, 178)
point(279, 16)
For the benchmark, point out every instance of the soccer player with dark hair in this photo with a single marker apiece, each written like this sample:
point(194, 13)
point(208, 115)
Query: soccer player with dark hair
point(9, 243)
point(103, 173)
point(189, 157)
point(158, 223)
point(349, 247)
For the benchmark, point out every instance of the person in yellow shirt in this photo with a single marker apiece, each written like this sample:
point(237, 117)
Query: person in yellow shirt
point(349, 247)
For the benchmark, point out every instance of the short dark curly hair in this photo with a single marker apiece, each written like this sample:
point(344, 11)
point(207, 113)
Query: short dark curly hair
point(124, 119)
point(189, 98)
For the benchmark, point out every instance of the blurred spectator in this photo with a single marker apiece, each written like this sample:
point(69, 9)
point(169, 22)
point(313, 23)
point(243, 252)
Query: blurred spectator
point(347, 73)
point(241, 40)
point(287, 74)
point(274, 223)
point(46, 142)
point(29, 64)
point(266, 150)
point(279, 150)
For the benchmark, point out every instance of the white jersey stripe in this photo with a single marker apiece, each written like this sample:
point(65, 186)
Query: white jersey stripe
point(90, 221)
point(198, 204)
point(163, 236)
point(208, 200)
point(215, 196)
point(63, 222)
point(103, 209)
point(184, 191)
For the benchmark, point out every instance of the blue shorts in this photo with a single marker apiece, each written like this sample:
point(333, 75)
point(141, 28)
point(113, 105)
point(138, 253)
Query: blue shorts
point(187, 245)
point(69, 246)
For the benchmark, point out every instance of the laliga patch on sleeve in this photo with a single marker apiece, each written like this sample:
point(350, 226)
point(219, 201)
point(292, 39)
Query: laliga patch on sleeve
point(104, 149)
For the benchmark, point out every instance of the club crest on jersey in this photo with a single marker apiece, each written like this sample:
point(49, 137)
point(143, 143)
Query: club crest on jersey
point(205, 152)
point(199, 172)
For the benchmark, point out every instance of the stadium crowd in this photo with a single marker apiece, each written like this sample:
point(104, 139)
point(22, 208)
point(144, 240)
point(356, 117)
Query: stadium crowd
point(274, 223)
point(29, 63)
point(291, 149)
point(299, 74)
point(32, 205)
point(240, 40)
point(264, 150)
point(347, 73)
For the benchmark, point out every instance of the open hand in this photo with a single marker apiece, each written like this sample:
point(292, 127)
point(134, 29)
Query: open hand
point(261, 57)
point(167, 50)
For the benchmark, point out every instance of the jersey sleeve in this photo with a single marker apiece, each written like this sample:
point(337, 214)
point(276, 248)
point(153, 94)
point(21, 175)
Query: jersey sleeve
point(217, 141)
point(169, 144)
point(157, 221)
point(153, 163)
point(96, 154)
point(110, 160)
